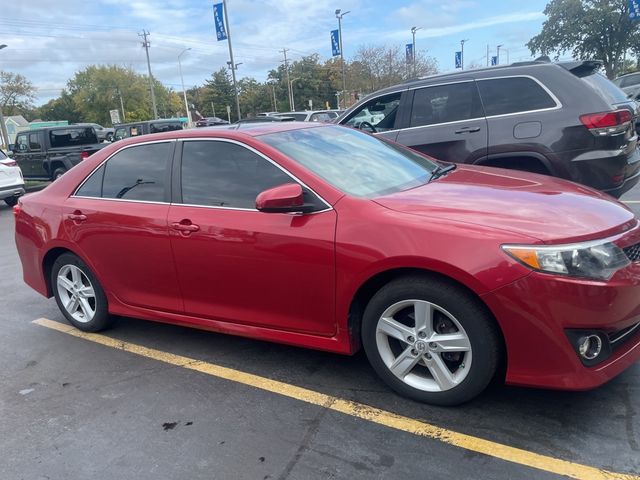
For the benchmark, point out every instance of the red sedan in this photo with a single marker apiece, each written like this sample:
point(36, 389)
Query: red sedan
point(325, 237)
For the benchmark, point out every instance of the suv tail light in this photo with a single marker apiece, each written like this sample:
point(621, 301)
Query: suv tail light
point(607, 123)
point(84, 155)
point(9, 163)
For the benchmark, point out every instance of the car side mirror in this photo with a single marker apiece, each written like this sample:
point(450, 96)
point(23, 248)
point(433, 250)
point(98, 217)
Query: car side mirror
point(287, 198)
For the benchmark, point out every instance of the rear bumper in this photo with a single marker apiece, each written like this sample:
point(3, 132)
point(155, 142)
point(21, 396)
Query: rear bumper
point(12, 191)
point(627, 185)
point(535, 313)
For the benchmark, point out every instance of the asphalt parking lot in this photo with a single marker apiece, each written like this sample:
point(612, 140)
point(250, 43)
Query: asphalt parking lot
point(153, 401)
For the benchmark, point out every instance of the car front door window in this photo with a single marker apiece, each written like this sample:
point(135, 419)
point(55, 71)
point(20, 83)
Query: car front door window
point(377, 115)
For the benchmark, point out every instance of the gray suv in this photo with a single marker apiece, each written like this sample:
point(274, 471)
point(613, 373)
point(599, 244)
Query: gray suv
point(561, 119)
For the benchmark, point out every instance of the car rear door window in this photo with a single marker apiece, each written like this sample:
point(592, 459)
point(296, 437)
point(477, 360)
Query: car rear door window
point(34, 142)
point(445, 103)
point(92, 187)
point(225, 174)
point(138, 173)
point(501, 96)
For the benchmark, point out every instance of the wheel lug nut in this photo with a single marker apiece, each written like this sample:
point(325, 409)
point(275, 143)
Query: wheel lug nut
point(410, 339)
point(428, 355)
point(433, 345)
point(414, 352)
point(422, 334)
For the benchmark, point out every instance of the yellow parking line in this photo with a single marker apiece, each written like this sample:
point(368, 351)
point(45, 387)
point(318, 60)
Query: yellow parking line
point(355, 409)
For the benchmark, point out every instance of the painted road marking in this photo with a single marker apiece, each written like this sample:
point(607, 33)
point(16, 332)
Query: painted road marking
point(355, 409)
point(630, 201)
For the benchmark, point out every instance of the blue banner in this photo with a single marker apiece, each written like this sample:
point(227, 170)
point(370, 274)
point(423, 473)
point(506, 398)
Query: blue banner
point(218, 18)
point(335, 42)
point(494, 60)
point(409, 52)
point(459, 59)
point(634, 9)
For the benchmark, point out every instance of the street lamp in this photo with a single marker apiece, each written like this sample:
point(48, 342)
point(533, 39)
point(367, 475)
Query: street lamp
point(3, 127)
point(339, 15)
point(293, 103)
point(413, 60)
point(498, 54)
point(184, 92)
point(462, 42)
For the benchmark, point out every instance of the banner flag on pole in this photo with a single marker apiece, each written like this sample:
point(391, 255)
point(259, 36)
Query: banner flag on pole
point(459, 59)
point(335, 43)
point(494, 60)
point(634, 9)
point(218, 17)
point(409, 52)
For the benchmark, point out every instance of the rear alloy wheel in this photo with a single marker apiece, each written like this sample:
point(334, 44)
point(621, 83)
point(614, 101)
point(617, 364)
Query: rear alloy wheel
point(58, 172)
point(78, 294)
point(430, 340)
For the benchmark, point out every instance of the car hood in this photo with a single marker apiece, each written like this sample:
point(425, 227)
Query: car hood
point(549, 209)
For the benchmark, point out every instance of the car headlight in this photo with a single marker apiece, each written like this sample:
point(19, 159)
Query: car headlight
point(597, 260)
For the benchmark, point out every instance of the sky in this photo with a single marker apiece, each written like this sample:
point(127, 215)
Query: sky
point(48, 45)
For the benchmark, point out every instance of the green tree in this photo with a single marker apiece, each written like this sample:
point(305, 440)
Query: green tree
point(595, 29)
point(16, 93)
point(219, 90)
point(61, 108)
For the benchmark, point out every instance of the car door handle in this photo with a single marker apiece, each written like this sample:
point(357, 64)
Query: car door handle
point(77, 217)
point(468, 130)
point(185, 227)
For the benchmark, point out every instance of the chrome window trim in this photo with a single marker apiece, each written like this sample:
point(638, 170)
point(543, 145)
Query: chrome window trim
point(260, 154)
point(74, 194)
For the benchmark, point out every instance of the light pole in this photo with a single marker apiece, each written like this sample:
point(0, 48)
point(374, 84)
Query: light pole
point(293, 102)
point(339, 16)
point(184, 92)
point(232, 62)
point(462, 42)
point(3, 127)
point(498, 54)
point(413, 60)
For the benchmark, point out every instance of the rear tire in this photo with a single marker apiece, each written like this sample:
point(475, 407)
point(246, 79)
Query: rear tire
point(79, 295)
point(430, 340)
point(109, 137)
point(11, 201)
point(58, 172)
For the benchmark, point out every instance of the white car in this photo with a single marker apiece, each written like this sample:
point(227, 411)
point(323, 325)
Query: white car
point(11, 180)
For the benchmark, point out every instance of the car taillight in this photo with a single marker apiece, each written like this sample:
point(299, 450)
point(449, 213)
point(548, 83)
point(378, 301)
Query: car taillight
point(84, 155)
point(17, 209)
point(607, 123)
point(9, 163)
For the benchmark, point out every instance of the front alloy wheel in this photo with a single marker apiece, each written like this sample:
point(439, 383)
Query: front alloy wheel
point(424, 345)
point(431, 340)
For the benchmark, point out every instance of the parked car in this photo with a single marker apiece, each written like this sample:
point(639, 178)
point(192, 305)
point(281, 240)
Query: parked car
point(269, 119)
point(135, 129)
point(562, 119)
point(11, 180)
point(210, 122)
point(103, 133)
point(48, 153)
point(322, 236)
point(265, 114)
point(629, 83)
point(309, 115)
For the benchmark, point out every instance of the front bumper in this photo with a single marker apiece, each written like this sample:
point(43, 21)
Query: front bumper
point(536, 311)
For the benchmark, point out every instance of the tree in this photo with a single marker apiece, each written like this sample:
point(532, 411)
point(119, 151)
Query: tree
point(16, 93)
point(61, 108)
point(596, 29)
point(219, 90)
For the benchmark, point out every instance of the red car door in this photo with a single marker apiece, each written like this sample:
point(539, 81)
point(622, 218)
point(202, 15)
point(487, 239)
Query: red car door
point(239, 265)
point(118, 218)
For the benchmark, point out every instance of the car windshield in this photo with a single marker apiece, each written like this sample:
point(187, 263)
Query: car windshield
point(354, 162)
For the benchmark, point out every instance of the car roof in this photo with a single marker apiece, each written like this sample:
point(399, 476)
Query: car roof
point(235, 131)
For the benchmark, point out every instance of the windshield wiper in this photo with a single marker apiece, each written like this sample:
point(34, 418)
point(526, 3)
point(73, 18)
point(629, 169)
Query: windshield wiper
point(441, 171)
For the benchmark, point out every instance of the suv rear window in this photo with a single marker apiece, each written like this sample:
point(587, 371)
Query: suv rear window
point(606, 88)
point(71, 137)
point(164, 127)
point(513, 94)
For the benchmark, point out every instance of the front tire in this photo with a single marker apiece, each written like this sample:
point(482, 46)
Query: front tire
point(79, 294)
point(430, 340)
